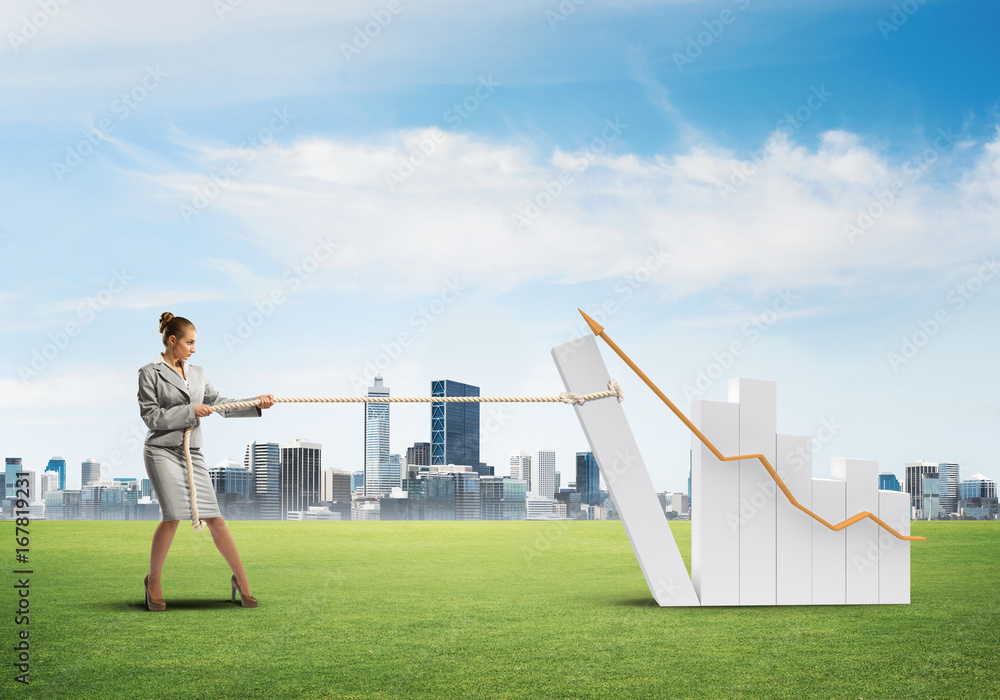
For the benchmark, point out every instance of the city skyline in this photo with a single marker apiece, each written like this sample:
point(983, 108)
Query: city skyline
point(286, 481)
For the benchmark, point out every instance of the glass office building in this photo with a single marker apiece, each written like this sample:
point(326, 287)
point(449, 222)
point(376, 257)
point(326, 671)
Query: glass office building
point(378, 479)
point(454, 426)
point(887, 481)
point(931, 504)
point(977, 486)
point(237, 480)
point(588, 478)
point(58, 465)
point(431, 496)
point(301, 467)
point(263, 459)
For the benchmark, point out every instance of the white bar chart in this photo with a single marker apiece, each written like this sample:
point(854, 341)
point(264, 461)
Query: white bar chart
point(764, 530)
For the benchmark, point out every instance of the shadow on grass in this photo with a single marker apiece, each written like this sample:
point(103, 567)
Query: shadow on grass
point(178, 604)
point(646, 602)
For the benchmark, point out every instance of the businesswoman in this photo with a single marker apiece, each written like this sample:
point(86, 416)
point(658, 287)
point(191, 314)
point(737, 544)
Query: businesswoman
point(173, 395)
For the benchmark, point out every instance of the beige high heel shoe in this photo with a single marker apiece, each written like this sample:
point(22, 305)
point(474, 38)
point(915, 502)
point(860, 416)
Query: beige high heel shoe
point(155, 604)
point(247, 601)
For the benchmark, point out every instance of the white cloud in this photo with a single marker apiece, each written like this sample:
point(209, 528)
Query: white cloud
point(84, 389)
point(782, 222)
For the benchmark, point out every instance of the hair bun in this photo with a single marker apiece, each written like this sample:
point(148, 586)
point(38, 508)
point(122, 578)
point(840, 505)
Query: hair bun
point(165, 319)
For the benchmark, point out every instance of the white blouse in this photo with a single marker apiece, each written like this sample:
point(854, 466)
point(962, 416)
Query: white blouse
point(184, 366)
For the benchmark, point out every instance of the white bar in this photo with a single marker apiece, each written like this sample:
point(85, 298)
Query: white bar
point(861, 476)
point(829, 548)
point(794, 528)
point(583, 371)
point(715, 504)
point(894, 559)
point(758, 535)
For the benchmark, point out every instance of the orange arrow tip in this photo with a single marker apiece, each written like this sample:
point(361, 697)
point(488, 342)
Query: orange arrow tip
point(596, 327)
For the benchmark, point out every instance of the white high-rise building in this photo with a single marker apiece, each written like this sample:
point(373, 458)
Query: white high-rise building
point(90, 471)
point(544, 486)
point(263, 459)
point(378, 471)
point(49, 482)
point(520, 467)
point(948, 496)
point(301, 466)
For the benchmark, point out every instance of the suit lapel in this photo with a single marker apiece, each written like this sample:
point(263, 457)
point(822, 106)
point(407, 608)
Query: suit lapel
point(171, 376)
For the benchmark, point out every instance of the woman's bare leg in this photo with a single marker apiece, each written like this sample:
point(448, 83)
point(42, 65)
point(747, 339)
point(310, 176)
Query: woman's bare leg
point(224, 541)
point(162, 537)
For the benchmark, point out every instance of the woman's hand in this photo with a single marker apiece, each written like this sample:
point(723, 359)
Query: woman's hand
point(201, 410)
point(266, 400)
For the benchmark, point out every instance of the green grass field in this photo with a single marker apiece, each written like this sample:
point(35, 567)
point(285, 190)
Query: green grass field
point(475, 610)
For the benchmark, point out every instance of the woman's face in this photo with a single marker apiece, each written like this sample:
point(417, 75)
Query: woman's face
point(184, 347)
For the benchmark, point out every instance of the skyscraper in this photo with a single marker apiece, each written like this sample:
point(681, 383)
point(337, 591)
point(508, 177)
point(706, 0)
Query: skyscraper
point(588, 478)
point(229, 477)
point(977, 486)
point(455, 426)
point(395, 472)
point(377, 478)
point(336, 486)
point(914, 483)
point(520, 467)
point(545, 469)
point(502, 498)
point(948, 486)
point(12, 465)
point(887, 481)
point(90, 471)
point(466, 495)
point(301, 467)
point(49, 481)
point(419, 455)
point(58, 465)
point(263, 459)
point(930, 495)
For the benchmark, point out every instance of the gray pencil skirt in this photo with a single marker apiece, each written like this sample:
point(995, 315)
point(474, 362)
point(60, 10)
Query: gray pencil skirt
point(167, 473)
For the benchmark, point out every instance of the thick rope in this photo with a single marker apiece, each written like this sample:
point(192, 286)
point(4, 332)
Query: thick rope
point(566, 397)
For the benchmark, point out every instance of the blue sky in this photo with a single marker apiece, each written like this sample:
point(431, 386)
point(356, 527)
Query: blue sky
point(816, 182)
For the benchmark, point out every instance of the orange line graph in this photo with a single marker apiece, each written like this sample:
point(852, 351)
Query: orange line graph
point(599, 331)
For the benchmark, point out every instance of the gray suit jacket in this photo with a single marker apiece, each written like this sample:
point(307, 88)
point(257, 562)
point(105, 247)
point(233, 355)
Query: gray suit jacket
point(167, 407)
